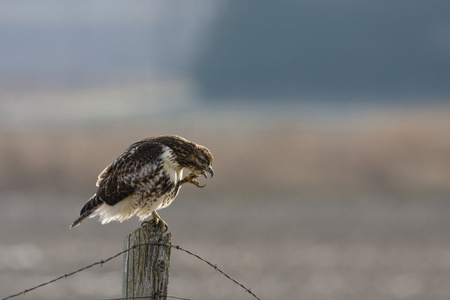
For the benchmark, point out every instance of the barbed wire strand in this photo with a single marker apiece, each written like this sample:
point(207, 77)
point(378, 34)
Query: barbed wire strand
point(101, 262)
point(217, 269)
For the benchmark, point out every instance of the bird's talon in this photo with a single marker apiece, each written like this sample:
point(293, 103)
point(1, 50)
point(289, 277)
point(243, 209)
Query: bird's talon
point(196, 183)
point(163, 225)
point(158, 221)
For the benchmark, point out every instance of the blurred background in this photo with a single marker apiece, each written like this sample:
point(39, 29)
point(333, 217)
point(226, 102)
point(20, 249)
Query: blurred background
point(328, 121)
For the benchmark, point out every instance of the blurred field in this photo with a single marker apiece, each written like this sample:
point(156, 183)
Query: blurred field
point(397, 151)
point(354, 207)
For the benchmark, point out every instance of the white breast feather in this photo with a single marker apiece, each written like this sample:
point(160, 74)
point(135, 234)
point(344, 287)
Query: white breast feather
point(171, 168)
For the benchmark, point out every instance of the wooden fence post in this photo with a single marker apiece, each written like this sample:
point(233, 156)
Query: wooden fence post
point(146, 268)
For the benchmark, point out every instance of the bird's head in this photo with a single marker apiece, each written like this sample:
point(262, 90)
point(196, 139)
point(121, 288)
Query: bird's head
point(200, 161)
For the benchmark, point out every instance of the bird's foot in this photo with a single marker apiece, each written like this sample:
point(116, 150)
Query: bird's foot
point(191, 179)
point(156, 220)
point(196, 183)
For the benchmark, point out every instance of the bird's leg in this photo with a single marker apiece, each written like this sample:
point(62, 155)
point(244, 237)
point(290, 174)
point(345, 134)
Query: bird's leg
point(191, 179)
point(158, 220)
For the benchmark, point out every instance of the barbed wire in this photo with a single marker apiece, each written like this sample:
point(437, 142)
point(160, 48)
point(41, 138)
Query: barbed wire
point(101, 262)
point(217, 269)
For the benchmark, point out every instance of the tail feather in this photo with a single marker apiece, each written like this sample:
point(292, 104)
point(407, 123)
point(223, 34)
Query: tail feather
point(87, 210)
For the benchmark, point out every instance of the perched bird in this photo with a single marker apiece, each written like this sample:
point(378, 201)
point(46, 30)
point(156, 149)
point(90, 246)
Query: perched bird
point(145, 178)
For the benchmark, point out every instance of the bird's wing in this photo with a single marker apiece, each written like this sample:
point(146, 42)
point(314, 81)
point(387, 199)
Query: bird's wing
point(102, 176)
point(126, 174)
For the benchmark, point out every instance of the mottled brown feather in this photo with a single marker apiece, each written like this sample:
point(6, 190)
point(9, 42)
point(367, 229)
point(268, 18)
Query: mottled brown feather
point(115, 187)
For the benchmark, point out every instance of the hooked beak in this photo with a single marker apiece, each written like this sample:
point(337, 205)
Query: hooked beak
point(210, 171)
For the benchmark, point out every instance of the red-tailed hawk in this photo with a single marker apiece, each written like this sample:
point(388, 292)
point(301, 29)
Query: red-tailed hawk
point(146, 178)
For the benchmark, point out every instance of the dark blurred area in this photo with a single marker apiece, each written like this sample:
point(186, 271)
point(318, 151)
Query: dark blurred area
point(328, 121)
point(330, 50)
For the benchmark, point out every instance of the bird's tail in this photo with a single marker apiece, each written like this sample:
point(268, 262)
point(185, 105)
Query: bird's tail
point(90, 207)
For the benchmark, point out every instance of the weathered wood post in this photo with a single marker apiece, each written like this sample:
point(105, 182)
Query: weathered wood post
point(146, 268)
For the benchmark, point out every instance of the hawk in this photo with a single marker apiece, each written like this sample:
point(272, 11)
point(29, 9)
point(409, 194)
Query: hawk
point(145, 178)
